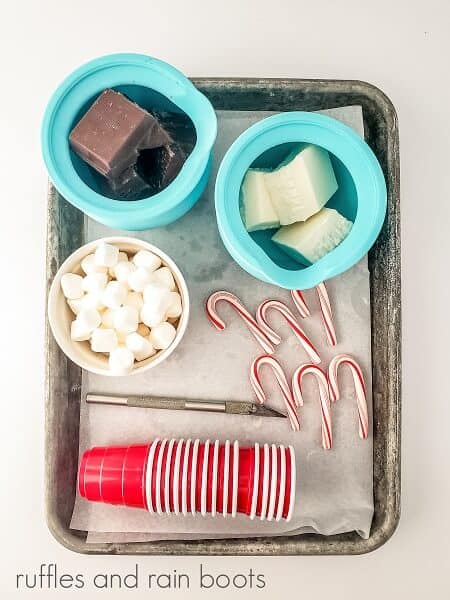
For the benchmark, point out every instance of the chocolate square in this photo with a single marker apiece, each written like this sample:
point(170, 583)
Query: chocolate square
point(113, 131)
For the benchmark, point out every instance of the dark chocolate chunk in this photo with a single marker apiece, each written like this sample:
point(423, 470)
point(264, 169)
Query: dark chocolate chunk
point(160, 166)
point(179, 127)
point(129, 185)
point(113, 131)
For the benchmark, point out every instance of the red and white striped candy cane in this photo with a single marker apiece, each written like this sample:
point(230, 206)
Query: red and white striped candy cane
point(325, 309)
point(255, 380)
point(360, 388)
point(300, 303)
point(249, 320)
point(321, 378)
point(261, 317)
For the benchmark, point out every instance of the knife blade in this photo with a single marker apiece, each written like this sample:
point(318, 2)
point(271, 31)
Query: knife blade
point(240, 407)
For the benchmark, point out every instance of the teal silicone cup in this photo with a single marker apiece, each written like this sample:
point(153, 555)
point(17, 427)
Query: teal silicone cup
point(152, 84)
point(361, 196)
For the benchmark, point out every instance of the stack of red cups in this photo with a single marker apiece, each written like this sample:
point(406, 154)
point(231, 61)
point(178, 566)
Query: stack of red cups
point(184, 477)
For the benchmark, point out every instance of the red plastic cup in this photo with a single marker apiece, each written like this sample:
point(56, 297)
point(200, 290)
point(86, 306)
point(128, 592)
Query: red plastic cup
point(190, 477)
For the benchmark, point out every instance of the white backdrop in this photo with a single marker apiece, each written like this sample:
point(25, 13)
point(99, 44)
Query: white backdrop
point(403, 47)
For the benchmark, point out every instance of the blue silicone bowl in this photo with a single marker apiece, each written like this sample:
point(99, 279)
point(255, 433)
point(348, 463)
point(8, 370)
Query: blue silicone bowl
point(361, 196)
point(152, 84)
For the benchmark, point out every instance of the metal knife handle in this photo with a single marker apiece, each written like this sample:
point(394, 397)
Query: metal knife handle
point(235, 408)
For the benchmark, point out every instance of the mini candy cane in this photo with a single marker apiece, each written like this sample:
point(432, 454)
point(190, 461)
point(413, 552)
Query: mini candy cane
point(325, 309)
point(261, 317)
point(360, 388)
point(255, 380)
point(300, 304)
point(255, 329)
point(327, 437)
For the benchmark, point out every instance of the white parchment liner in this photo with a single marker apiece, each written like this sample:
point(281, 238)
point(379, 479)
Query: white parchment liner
point(334, 488)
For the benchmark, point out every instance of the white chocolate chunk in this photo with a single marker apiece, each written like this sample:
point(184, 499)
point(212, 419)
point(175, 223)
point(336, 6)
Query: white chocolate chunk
point(92, 300)
point(138, 279)
point(121, 361)
point(152, 316)
point(89, 318)
point(123, 270)
point(126, 319)
point(103, 340)
point(147, 260)
point(302, 184)
point(72, 286)
point(114, 294)
point(157, 296)
point(88, 265)
point(143, 330)
point(107, 317)
point(95, 282)
point(75, 305)
point(140, 346)
point(309, 241)
point(259, 212)
point(164, 276)
point(162, 335)
point(175, 307)
point(106, 255)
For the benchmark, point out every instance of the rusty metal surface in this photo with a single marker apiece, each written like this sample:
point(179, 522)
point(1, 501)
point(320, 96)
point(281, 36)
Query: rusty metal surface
point(63, 378)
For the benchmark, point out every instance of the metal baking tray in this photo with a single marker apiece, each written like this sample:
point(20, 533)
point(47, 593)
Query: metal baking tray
point(63, 378)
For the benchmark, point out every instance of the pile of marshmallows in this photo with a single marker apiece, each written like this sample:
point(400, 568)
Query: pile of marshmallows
point(126, 306)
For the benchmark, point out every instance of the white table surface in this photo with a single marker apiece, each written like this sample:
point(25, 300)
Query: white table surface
point(402, 47)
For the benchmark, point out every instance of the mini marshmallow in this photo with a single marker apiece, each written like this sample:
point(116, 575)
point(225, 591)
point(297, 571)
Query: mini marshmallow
point(134, 299)
point(95, 282)
point(92, 300)
point(79, 332)
point(175, 308)
point(123, 257)
point(157, 295)
point(140, 346)
point(162, 335)
point(146, 352)
point(88, 265)
point(106, 255)
point(126, 319)
point(107, 317)
point(164, 277)
point(151, 315)
point(103, 340)
point(114, 294)
point(75, 305)
point(121, 361)
point(122, 337)
point(147, 260)
point(123, 270)
point(90, 318)
point(72, 286)
point(143, 330)
point(139, 279)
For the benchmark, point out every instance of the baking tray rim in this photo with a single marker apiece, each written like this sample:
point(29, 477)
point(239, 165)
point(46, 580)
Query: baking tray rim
point(303, 544)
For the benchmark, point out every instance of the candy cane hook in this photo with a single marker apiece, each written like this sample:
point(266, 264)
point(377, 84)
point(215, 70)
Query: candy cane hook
point(255, 380)
point(261, 317)
point(249, 320)
point(360, 388)
point(325, 309)
point(321, 378)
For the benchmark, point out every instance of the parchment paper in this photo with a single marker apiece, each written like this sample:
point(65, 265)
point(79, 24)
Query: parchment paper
point(334, 488)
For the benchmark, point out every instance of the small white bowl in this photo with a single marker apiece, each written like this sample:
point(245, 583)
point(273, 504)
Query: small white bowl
point(60, 316)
